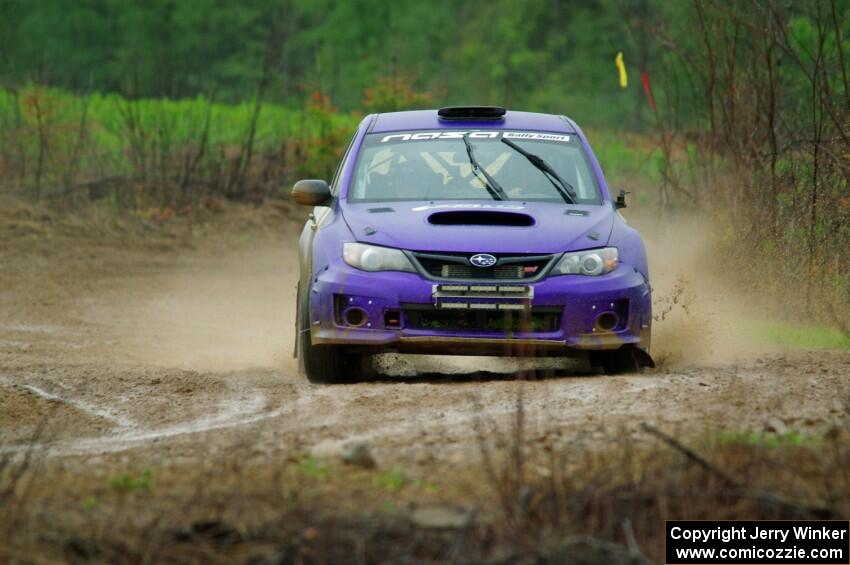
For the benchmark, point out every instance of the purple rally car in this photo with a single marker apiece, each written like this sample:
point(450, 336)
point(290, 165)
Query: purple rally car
point(469, 231)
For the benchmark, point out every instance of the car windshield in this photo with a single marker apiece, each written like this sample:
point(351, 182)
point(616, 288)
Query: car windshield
point(435, 165)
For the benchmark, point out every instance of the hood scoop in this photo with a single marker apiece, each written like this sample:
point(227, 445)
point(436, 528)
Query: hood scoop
point(480, 218)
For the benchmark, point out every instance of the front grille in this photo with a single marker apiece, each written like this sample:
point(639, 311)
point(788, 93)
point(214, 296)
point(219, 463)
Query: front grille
point(507, 267)
point(535, 321)
point(504, 272)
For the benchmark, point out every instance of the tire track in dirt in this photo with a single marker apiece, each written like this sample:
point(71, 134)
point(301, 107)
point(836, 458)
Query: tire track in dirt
point(229, 412)
point(105, 413)
point(191, 354)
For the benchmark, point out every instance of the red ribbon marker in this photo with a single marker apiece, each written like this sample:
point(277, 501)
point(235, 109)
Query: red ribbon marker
point(644, 77)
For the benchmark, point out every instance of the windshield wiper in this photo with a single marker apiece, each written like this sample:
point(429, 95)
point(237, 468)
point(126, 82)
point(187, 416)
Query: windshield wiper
point(489, 182)
point(564, 188)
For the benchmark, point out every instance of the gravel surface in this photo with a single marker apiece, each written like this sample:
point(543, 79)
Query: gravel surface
point(111, 351)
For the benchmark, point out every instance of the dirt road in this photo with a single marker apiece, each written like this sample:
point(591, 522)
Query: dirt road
point(111, 352)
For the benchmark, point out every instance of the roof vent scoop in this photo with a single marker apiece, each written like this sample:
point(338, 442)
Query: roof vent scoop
point(472, 113)
point(480, 218)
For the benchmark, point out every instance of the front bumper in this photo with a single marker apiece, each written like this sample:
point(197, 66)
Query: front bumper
point(391, 306)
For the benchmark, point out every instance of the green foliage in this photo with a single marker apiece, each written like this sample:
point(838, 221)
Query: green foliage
point(313, 468)
point(392, 480)
point(126, 482)
point(532, 55)
point(625, 159)
point(391, 94)
point(52, 140)
point(805, 337)
point(317, 149)
point(535, 54)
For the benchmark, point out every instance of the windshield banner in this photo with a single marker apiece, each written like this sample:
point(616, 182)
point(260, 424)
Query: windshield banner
point(452, 134)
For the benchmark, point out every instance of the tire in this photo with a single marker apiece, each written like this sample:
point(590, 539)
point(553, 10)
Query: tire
point(323, 364)
point(619, 362)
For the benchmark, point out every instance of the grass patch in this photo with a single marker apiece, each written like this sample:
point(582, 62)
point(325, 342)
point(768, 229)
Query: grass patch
point(626, 157)
point(536, 504)
point(391, 480)
point(803, 337)
point(313, 468)
point(126, 482)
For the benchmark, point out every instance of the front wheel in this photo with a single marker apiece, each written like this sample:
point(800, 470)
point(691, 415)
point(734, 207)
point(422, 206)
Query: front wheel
point(619, 362)
point(324, 364)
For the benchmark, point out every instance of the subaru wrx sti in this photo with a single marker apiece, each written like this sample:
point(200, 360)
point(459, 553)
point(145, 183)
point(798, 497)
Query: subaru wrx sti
point(468, 231)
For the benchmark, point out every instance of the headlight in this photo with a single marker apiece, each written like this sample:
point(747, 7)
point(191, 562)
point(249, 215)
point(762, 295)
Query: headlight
point(592, 262)
point(374, 258)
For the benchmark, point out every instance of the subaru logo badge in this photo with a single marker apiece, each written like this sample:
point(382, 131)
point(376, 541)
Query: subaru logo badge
point(483, 260)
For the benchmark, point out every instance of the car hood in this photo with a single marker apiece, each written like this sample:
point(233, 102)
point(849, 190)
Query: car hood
point(474, 227)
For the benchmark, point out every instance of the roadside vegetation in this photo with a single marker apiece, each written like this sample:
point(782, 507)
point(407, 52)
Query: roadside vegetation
point(68, 149)
point(527, 502)
point(810, 337)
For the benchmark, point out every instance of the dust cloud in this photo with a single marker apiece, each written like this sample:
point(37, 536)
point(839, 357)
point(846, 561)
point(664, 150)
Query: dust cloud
point(700, 317)
point(209, 312)
point(235, 310)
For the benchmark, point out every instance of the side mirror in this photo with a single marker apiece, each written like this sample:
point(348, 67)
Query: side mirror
point(621, 200)
point(312, 192)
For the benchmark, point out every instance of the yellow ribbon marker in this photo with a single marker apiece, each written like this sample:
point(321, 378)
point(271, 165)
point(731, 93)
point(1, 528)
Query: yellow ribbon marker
point(621, 66)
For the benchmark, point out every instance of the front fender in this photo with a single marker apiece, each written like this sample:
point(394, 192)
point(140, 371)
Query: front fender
point(630, 245)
